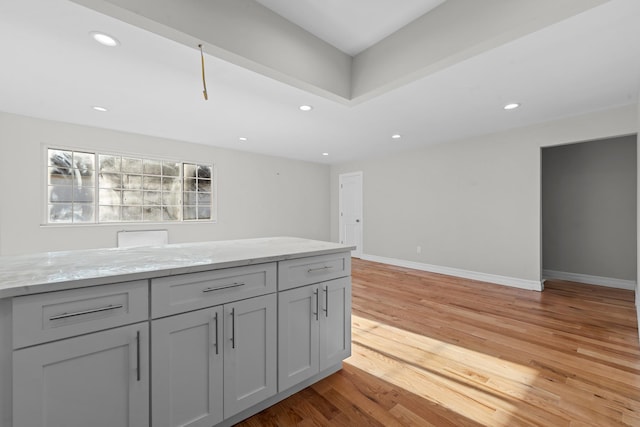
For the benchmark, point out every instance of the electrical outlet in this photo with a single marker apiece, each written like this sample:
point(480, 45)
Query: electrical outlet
point(419, 250)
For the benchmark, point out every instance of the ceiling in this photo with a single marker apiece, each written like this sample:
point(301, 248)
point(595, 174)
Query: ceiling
point(353, 25)
point(151, 84)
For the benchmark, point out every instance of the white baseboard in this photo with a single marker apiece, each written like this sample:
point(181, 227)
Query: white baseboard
point(590, 280)
point(533, 285)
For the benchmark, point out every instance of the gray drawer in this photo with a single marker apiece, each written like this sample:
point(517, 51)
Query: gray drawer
point(56, 315)
point(193, 291)
point(304, 271)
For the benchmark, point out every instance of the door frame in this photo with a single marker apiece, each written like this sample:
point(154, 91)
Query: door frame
point(359, 250)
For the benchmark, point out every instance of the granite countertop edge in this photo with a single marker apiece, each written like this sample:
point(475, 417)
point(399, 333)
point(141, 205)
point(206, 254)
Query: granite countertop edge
point(54, 271)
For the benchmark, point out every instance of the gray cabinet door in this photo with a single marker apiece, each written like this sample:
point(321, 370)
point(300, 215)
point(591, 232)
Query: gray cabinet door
point(335, 321)
point(187, 369)
point(250, 333)
point(298, 335)
point(97, 380)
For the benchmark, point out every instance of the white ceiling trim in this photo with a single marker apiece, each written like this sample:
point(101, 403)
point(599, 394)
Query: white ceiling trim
point(354, 25)
point(250, 35)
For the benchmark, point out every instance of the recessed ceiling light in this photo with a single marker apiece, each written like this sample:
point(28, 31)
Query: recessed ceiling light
point(511, 106)
point(325, 154)
point(243, 138)
point(396, 136)
point(305, 108)
point(104, 39)
point(99, 108)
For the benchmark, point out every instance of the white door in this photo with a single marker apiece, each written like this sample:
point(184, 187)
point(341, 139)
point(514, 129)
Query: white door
point(350, 215)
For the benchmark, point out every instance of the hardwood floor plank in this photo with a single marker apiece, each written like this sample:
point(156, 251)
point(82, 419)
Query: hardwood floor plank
point(436, 350)
point(408, 418)
point(391, 396)
point(318, 403)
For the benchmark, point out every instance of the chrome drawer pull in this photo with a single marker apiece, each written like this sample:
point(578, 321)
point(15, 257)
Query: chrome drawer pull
point(81, 313)
point(235, 285)
point(326, 267)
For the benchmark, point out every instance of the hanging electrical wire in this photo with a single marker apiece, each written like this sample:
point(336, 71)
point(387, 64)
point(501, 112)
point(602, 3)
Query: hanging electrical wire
point(204, 82)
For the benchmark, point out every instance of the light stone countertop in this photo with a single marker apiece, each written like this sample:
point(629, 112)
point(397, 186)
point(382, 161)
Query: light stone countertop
point(52, 271)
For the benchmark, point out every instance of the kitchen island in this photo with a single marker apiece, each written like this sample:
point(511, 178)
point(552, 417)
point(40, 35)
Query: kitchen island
point(197, 334)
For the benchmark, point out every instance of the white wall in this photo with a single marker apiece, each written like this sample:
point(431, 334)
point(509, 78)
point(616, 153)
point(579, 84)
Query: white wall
point(472, 205)
point(258, 195)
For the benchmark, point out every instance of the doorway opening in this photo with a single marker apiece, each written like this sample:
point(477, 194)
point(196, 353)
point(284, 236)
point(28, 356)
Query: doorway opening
point(589, 221)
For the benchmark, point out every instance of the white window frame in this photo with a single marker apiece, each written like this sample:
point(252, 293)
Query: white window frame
point(44, 169)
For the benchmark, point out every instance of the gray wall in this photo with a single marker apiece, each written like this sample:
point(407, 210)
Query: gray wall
point(473, 204)
point(258, 196)
point(589, 208)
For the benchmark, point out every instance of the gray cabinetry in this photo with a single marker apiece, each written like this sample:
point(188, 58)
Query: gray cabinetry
point(314, 321)
point(97, 380)
point(51, 316)
point(213, 363)
point(298, 335)
point(75, 365)
point(249, 353)
point(187, 369)
point(186, 292)
point(335, 326)
point(186, 347)
point(298, 272)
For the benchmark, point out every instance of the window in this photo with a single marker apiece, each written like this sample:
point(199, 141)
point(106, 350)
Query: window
point(71, 186)
point(85, 187)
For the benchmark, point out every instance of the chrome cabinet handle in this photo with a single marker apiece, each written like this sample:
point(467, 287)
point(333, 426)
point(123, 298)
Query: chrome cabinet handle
point(215, 321)
point(217, 346)
point(81, 313)
point(326, 301)
point(138, 355)
point(317, 302)
point(219, 288)
point(233, 328)
point(313, 270)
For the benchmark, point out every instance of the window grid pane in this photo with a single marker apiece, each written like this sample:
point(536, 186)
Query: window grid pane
point(70, 186)
point(141, 190)
point(197, 196)
point(85, 187)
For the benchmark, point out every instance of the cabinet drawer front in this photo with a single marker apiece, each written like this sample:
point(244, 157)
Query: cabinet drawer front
point(187, 292)
point(52, 316)
point(305, 271)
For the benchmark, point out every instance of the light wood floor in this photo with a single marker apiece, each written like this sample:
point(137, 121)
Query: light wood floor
point(434, 350)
